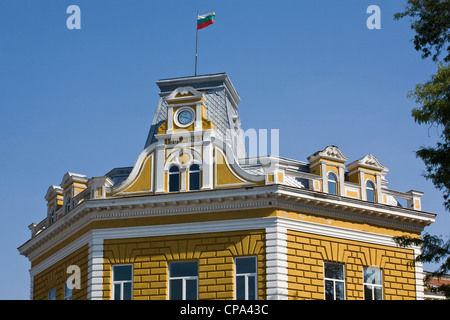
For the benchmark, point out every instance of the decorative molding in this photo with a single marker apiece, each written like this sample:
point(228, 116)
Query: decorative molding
point(332, 153)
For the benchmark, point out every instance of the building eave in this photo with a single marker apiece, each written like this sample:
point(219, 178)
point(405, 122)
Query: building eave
point(303, 201)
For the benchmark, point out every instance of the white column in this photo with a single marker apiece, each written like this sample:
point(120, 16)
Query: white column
point(208, 161)
point(324, 177)
point(341, 180)
point(95, 270)
point(362, 182)
point(159, 167)
point(420, 295)
point(276, 263)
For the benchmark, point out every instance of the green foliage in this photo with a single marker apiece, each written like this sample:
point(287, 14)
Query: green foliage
point(431, 24)
point(434, 98)
point(434, 250)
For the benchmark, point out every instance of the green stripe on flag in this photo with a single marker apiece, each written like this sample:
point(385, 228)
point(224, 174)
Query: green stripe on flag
point(205, 19)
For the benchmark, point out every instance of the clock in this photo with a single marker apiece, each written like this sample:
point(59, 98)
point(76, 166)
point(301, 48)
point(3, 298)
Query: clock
point(185, 117)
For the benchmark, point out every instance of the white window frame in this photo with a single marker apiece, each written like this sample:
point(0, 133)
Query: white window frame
point(373, 286)
point(335, 182)
point(121, 282)
point(184, 279)
point(246, 277)
point(333, 280)
point(373, 188)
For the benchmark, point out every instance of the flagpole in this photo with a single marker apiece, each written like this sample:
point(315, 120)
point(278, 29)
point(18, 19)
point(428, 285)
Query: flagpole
point(196, 45)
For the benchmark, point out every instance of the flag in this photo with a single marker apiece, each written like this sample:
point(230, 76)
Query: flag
point(205, 20)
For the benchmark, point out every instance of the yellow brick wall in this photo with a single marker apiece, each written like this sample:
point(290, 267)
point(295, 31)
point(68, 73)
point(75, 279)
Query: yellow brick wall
point(56, 275)
point(307, 253)
point(215, 253)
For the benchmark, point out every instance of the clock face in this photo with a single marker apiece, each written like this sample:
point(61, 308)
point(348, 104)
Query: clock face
point(185, 117)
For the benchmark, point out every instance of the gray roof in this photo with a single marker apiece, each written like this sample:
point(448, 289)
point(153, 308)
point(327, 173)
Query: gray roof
point(221, 107)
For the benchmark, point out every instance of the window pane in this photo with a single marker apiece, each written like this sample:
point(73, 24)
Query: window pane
point(122, 273)
point(246, 265)
point(240, 288)
point(368, 293)
point(370, 191)
point(378, 293)
point(251, 288)
point(372, 275)
point(67, 291)
point(183, 269)
point(332, 184)
point(370, 195)
point(127, 291)
point(175, 289)
point(332, 188)
point(194, 181)
point(329, 290)
point(340, 291)
point(52, 294)
point(117, 291)
point(174, 182)
point(191, 289)
point(194, 167)
point(334, 271)
point(174, 169)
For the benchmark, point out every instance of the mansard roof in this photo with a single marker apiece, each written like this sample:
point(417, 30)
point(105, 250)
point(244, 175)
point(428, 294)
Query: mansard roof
point(220, 100)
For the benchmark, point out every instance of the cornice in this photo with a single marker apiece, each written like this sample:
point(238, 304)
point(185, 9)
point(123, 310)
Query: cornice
point(284, 197)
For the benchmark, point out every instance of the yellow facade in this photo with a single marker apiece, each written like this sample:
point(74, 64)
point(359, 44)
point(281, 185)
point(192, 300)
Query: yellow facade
point(55, 277)
point(308, 252)
point(215, 254)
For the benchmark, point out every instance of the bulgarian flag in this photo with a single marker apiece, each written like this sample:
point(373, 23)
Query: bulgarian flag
point(205, 20)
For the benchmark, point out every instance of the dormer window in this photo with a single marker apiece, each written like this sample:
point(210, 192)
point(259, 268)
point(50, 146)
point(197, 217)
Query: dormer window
point(194, 177)
point(174, 179)
point(332, 183)
point(370, 191)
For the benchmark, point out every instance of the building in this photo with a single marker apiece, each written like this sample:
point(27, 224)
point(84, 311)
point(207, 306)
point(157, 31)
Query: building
point(196, 218)
point(432, 283)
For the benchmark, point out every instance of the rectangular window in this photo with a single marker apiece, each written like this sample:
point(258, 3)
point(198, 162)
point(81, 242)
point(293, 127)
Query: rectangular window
point(373, 285)
point(183, 280)
point(67, 292)
point(52, 294)
point(246, 278)
point(122, 282)
point(334, 281)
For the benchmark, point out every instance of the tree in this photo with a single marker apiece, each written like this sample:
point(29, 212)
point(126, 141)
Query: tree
point(434, 98)
point(431, 23)
point(434, 250)
point(432, 26)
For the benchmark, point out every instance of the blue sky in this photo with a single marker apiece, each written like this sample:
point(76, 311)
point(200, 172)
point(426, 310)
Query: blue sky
point(83, 100)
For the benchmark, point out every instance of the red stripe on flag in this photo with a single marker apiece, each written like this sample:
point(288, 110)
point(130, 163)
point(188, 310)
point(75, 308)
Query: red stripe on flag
point(205, 24)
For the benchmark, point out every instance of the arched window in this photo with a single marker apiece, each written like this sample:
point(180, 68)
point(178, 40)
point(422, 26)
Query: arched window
point(174, 179)
point(194, 177)
point(332, 183)
point(370, 191)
